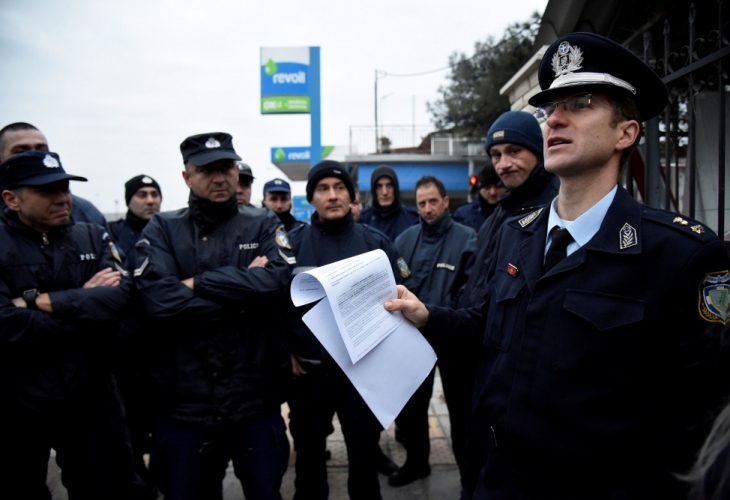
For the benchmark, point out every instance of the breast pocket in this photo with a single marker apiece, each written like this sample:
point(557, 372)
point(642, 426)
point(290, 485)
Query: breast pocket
point(504, 311)
point(600, 336)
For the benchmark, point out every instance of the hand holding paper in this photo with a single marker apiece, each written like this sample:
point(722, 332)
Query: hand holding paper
point(384, 356)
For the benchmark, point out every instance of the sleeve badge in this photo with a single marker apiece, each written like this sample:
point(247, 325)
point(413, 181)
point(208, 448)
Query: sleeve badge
point(115, 252)
point(714, 297)
point(282, 239)
point(403, 267)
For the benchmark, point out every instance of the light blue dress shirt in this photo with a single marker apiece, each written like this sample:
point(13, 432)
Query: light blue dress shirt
point(584, 227)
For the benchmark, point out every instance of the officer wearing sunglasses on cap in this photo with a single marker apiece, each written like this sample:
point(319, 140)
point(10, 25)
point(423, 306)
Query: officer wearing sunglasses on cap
point(594, 378)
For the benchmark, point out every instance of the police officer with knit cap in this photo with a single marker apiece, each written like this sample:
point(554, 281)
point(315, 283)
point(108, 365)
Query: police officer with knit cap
point(245, 180)
point(387, 213)
point(489, 190)
point(277, 197)
point(143, 197)
point(320, 387)
point(514, 142)
point(209, 276)
point(597, 378)
point(62, 291)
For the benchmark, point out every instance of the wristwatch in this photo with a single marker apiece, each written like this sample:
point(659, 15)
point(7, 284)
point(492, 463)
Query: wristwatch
point(29, 297)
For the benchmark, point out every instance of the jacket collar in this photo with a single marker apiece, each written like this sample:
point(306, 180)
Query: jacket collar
point(619, 234)
point(11, 219)
point(208, 214)
point(337, 226)
point(437, 228)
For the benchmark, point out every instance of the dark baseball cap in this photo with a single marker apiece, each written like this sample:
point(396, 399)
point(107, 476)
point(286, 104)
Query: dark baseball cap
point(33, 168)
point(277, 186)
point(203, 149)
point(245, 170)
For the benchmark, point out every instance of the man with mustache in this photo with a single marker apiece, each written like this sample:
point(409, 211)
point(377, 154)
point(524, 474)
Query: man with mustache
point(211, 278)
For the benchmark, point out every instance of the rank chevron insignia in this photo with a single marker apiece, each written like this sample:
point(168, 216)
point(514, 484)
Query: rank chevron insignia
point(627, 237)
point(526, 221)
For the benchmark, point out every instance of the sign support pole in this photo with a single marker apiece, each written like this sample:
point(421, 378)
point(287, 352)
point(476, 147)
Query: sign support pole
point(315, 155)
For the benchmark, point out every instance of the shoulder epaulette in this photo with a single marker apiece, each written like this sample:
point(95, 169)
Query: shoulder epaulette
point(679, 223)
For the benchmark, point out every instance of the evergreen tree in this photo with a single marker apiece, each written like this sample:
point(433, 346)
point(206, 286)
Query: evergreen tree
point(470, 102)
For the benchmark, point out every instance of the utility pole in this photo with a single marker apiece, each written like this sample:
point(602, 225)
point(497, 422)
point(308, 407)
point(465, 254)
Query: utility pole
point(377, 141)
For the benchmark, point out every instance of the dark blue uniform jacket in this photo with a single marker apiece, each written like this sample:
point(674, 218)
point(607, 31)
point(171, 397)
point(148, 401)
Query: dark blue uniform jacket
point(47, 359)
point(319, 244)
point(439, 256)
point(475, 213)
point(593, 379)
point(219, 353)
point(126, 233)
point(541, 187)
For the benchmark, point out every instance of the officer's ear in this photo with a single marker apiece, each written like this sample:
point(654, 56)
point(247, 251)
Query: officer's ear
point(446, 201)
point(186, 175)
point(13, 198)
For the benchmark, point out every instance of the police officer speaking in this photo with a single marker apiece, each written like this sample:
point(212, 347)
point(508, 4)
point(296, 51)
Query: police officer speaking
point(593, 381)
point(207, 275)
point(61, 292)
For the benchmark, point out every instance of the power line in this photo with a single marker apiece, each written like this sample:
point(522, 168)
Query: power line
point(421, 73)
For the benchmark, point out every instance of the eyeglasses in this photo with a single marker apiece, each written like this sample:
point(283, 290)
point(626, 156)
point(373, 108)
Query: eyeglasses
point(575, 102)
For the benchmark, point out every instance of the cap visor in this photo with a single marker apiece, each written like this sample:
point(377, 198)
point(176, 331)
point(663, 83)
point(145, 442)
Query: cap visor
point(202, 159)
point(549, 94)
point(50, 178)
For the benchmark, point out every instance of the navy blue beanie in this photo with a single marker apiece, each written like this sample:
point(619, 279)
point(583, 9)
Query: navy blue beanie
point(516, 127)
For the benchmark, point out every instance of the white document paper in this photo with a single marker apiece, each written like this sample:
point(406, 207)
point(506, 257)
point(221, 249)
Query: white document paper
point(385, 357)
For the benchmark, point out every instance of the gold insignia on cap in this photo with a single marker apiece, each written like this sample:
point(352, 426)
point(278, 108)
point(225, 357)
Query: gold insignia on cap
point(212, 143)
point(679, 220)
point(627, 237)
point(566, 59)
point(698, 229)
point(526, 221)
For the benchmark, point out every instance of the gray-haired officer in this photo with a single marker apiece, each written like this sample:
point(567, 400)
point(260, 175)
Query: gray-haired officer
point(596, 378)
point(210, 276)
point(62, 290)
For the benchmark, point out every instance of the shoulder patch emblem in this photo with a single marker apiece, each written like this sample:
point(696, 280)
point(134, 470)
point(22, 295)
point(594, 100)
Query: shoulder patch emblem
point(526, 221)
point(403, 267)
point(627, 237)
point(714, 297)
point(114, 252)
point(698, 229)
point(282, 239)
point(679, 220)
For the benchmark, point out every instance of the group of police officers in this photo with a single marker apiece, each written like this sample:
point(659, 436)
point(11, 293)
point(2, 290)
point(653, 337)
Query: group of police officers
point(570, 329)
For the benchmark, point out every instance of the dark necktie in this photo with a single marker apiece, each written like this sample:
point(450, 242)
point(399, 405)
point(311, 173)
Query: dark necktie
point(561, 238)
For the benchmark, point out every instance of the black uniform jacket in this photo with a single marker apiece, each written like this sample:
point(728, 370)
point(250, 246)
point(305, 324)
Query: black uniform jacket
point(319, 244)
point(440, 255)
point(541, 187)
point(126, 233)
point(593, 376)
point(47, 359)
point(219, 353)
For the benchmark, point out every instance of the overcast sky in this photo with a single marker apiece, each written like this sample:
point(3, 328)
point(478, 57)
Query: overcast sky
point(117, 86)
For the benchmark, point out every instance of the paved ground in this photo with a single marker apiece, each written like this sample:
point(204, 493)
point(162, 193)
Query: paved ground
point(442, 484)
